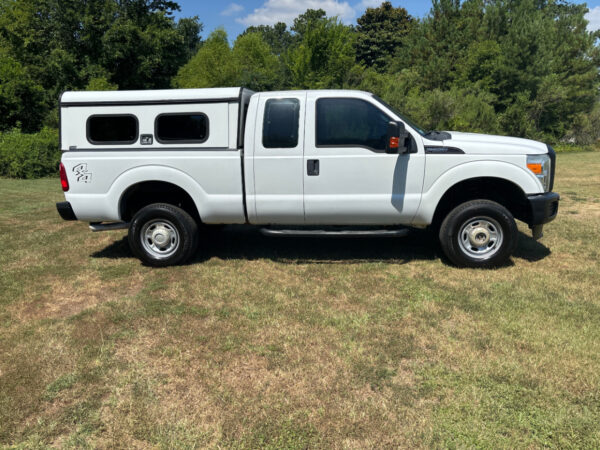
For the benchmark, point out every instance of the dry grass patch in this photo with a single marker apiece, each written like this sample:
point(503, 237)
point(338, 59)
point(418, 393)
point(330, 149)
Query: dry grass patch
point(65, 299)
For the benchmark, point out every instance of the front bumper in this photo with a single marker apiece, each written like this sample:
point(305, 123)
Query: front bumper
point(66, 211)
point(543, 208)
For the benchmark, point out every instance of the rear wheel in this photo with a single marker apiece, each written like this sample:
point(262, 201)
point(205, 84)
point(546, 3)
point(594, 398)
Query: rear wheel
point(479, 233)
point(163, 235)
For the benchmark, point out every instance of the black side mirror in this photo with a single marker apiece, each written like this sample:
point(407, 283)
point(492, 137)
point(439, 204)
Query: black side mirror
point(396, 138)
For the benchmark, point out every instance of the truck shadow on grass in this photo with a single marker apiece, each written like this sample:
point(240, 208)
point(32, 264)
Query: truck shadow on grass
point(529, 249)
point(247, 243)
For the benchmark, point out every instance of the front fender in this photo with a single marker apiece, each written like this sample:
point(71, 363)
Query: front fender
point(434, 190)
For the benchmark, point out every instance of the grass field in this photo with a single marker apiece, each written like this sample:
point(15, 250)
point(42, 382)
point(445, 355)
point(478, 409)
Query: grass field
point(296, 343)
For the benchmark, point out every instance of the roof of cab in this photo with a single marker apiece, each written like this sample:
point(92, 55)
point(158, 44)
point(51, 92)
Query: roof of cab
point(74, 98)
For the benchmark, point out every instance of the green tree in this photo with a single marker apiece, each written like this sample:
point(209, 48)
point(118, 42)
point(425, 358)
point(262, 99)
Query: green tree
point(20, 95)
point(211, 66)
point(306, 21)
point(323, 54)
point(436, 46)
point(277, 36)
point(147, 56)
point(256, 65)
point(250, 63)
point(533, 60)
point(381, 32)
point(100, 84)
point(521, 67)
point(65, 44)
point(551, 61)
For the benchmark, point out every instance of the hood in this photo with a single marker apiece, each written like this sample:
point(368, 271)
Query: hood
point(487, 144)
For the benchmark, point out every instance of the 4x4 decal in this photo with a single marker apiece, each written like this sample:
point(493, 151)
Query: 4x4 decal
point(82, 174)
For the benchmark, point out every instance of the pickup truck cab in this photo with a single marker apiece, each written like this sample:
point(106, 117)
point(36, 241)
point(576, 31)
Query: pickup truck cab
point(163, 163)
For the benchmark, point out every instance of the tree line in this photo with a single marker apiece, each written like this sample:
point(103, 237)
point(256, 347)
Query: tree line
point(518, 67)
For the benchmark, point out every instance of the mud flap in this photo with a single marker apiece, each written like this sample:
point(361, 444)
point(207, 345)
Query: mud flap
point(537, 232)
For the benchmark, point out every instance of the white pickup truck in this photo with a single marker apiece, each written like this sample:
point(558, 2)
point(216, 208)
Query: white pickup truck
point(163, 163)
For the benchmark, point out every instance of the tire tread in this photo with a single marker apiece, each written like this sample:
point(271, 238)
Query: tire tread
point(453, 220)
point(187, 227)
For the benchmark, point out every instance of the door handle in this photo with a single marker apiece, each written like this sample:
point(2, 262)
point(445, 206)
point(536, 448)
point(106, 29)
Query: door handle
point(312, 167)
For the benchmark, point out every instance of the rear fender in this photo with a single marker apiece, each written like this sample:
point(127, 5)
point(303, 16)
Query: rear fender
point(106, 206)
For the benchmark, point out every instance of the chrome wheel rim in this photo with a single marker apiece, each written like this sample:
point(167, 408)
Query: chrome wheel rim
point(160, 238)
point(480, 237)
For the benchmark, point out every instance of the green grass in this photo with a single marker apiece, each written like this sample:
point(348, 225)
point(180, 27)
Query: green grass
point(574, 148)
point(296, 343)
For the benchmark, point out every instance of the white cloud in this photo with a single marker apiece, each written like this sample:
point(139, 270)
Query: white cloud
point(593, 17)
point(370, 3)
point(273, 11)
point(232, 9)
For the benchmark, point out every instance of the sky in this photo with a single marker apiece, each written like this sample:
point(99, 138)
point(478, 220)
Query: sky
point(236, 15)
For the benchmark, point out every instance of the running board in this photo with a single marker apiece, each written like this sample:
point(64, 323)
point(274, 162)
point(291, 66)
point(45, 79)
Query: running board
point(401, 232)
point(98, 226)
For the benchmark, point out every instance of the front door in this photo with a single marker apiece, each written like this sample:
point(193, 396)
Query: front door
point(278, 159)
point(357, 182)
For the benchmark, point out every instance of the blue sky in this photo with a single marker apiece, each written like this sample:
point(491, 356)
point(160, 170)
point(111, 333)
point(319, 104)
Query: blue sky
point(236, 15)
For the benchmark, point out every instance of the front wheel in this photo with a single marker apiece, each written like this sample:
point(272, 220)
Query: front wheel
point(163, 235)
point(479, 233)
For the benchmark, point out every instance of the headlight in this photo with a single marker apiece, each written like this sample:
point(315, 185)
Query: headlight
point(540, 166)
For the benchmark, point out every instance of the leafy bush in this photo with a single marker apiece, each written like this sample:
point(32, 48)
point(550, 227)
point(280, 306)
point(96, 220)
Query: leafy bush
point(585, 129)
point(29, 155)
point(455, 109)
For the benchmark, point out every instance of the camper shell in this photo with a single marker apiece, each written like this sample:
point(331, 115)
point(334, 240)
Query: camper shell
point(221, 105)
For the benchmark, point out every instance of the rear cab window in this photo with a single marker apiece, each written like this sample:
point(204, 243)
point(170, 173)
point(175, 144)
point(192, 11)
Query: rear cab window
point(281, 123)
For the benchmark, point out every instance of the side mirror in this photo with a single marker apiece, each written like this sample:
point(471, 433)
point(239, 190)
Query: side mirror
point(396, 138)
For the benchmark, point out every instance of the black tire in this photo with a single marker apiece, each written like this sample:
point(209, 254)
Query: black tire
point(470, 237)
point(174, 235)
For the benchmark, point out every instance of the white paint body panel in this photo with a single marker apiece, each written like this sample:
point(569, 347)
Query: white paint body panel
point(359, 186)
point(355, 186)
point(210, 172)
point(218, 124)
point(211, 178)
point(161, 95)
point(278, 188)
point(444, 171)
point(485, 156)
point(487, 144)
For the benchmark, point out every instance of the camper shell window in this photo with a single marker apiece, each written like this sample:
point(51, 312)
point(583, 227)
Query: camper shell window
point(112, 129)
point(182, 128)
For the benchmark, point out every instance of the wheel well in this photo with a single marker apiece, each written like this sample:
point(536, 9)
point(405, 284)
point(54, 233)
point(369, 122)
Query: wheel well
point(143, 194)
point(498, 190)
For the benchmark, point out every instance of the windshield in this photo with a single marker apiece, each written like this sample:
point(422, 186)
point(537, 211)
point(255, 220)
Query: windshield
point(402, 116)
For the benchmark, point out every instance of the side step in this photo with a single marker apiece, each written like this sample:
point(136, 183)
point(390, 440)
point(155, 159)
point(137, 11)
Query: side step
point(341, 233)
point(99, 226)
